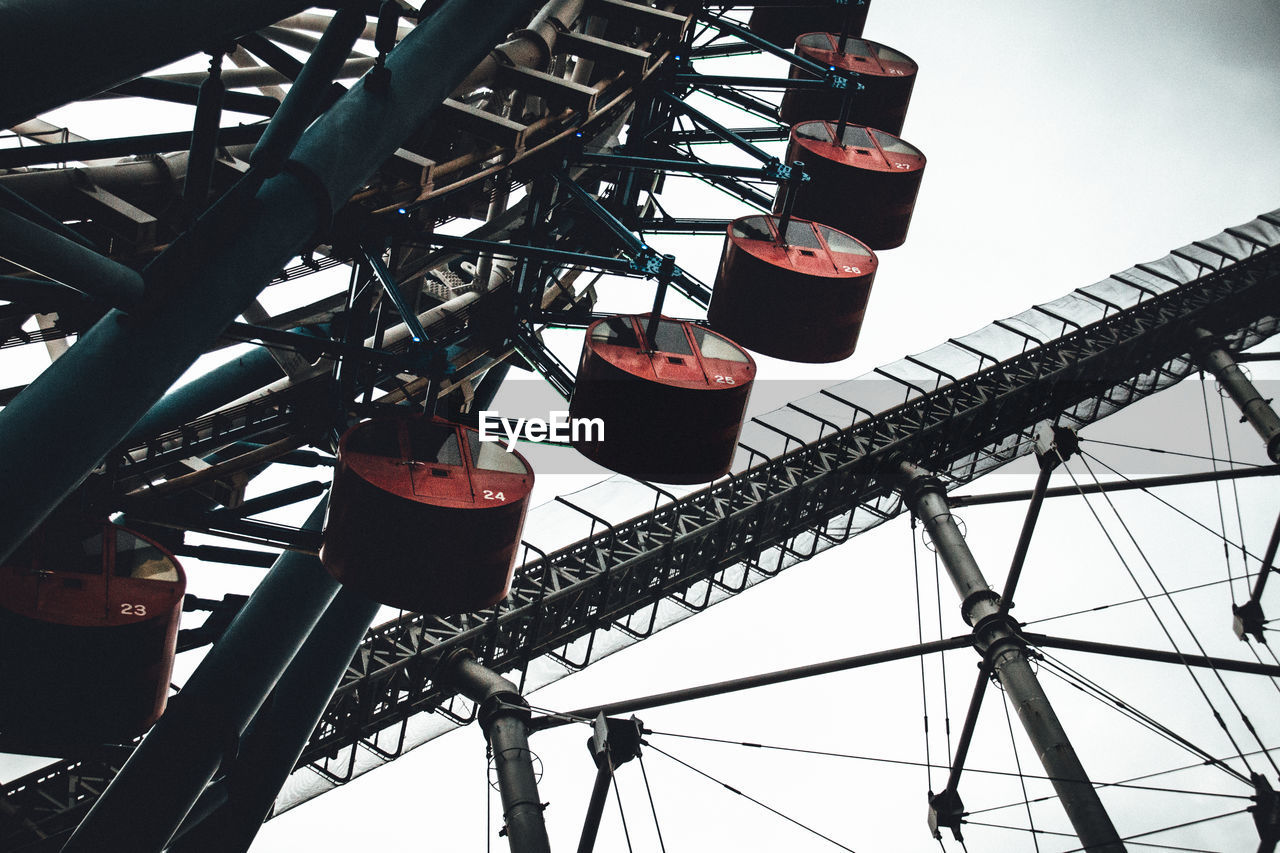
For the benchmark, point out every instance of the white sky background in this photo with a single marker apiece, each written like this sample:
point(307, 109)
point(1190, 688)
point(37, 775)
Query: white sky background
point(1065, 141)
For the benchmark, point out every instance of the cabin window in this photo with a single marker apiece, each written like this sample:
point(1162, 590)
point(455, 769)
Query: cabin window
point(138, 558)
point(436, 443)
point(712, 345)
point(376, 438)
point(616, 331)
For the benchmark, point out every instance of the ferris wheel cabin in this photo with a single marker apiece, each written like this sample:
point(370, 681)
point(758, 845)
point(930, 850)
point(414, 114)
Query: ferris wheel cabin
point(799, 296)
point(672, 411)
point(425, 516)
point(88, 631)
point(864, 184)
point(877, 98)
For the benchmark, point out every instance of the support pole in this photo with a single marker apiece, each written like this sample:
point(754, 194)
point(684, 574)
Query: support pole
point(1054, 445)
point(204, 137)
point(599, 796)
point(659, 296)
point(1117, 486)
point(1213, 357)
point(1008, 657)
point(280, 730)
point(613, 742)
point(167, 772)
point(504, 718)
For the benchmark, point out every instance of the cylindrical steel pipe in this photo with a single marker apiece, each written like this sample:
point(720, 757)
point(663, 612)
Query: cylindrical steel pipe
point(29, 245)
point(504, 717)
point(595, 806)
point(927, 499)
point(1255, 408)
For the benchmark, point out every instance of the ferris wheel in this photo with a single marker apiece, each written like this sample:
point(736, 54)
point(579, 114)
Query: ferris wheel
point(374, 214)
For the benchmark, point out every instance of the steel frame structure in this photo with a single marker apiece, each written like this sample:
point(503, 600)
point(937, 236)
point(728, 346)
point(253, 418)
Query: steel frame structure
point(634, 577)
point(726, 537)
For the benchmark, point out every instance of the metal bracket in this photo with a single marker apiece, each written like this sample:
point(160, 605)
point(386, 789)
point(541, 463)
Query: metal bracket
point(1266, 813)
point(1249, 620)
point(945, 810)
point(1055, 444)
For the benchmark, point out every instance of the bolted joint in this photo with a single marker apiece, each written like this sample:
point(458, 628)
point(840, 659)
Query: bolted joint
point(994, 641)
point(1266, 812)
point(615, 739)
point(980, 610)
point(509, 705)
point(1055, 445)
point(915, 482)
point(648, 262)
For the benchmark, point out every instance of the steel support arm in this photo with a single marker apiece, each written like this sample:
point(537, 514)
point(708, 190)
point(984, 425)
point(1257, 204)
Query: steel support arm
point(718, 129)
point(1120, 486)
point(620, 266)
point(701, 80)
point(504, 717)
point(645, 259)
point(947, 802)
point(1223, 664)
point(595, 805)
point(980, 606)
point(50, 254)
point(1053, 446)
point(772, 172)
point(725, 26)
point(781, 676)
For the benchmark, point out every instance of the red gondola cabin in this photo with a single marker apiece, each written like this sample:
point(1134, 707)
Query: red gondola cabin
point(877, 98)
point(88, 629)
point(801, 299)
point(425, 516)
point(866, 185)
point(672, 413)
